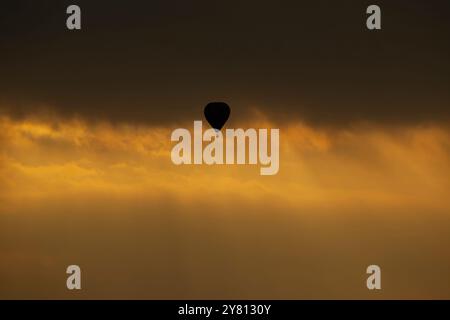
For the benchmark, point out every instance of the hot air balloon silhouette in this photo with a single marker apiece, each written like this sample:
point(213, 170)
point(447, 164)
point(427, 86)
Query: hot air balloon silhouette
point(217, 113)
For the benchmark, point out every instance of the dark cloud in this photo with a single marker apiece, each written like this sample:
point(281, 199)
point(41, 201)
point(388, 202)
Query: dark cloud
point(162, 61)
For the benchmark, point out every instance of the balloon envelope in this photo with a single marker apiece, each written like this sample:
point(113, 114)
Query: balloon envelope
point(217, 114)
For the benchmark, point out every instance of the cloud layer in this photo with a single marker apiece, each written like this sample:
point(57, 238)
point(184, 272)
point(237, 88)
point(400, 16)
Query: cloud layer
point(161, 63)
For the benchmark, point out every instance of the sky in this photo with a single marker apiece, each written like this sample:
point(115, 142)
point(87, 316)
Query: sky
point(86, 176)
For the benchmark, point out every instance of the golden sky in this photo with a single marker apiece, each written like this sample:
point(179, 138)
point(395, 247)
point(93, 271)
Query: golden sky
point(106, 196)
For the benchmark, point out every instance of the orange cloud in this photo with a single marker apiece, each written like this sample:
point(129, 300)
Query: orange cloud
point(381, 166)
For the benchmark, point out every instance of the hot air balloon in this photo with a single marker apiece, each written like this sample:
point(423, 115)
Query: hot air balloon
point(217, 114)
